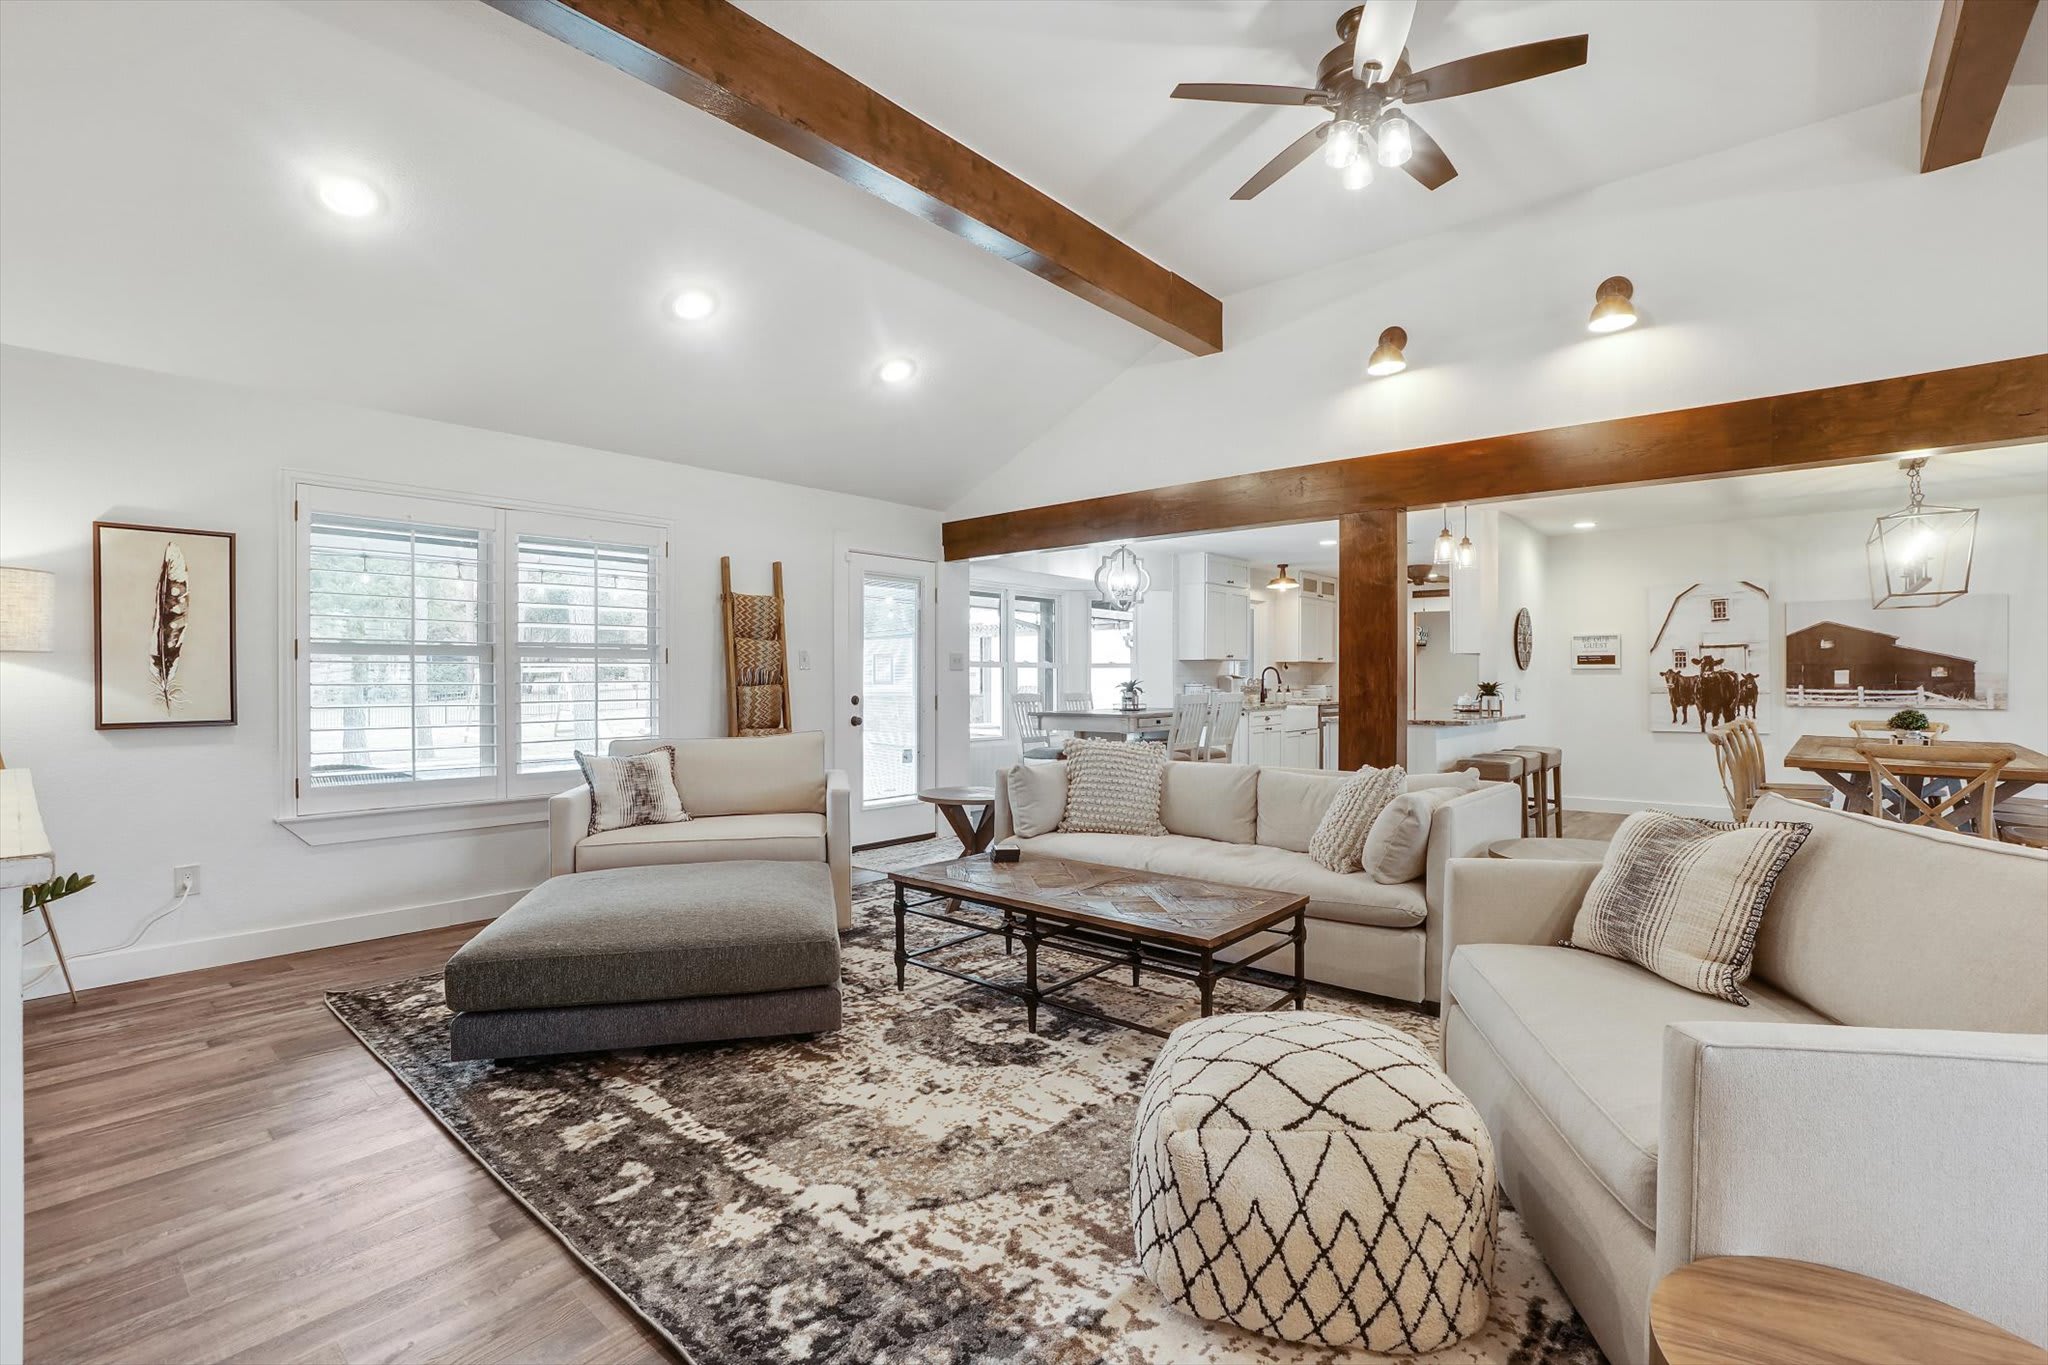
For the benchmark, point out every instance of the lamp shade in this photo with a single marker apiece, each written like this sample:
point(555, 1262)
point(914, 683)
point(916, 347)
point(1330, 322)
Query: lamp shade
point(28, 610)
point(1921, 556)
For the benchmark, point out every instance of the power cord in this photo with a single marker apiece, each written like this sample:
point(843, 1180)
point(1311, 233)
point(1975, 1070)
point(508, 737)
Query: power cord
point(184, 894)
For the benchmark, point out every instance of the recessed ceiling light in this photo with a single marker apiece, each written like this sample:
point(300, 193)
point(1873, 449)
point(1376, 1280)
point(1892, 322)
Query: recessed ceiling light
point(1326, 542)
point(897, 370)
point(1584, 525)
point(347, 196)
point(693, 305)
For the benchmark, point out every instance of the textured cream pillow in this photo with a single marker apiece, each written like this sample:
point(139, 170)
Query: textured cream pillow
point(1684, 897)
point(1340, 838)
point(1113, 787)
point(1038, 796)
point(637, 789)
point(1397, 845)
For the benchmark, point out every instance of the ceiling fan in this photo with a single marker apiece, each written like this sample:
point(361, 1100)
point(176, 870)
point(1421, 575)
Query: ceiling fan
point(1363, 78)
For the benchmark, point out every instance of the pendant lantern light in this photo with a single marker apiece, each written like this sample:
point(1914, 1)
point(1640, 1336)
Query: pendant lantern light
point(1121, 578)
point(1281, 582)
point(1446, 543)
point(1467, 555)
point(1920, 556)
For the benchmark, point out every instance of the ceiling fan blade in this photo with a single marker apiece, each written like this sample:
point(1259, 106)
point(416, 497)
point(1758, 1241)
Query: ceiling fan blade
point(1248, 94)
point(1382, 36)
point(1291, 156)
point(1487, 70)
point(1427, 163)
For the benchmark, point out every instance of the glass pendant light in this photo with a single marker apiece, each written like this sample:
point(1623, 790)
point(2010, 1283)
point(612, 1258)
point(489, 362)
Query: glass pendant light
point(1281, 582)
point(1121, 578)
point(1446, 543)
point(1394, 140)
point(1920, 556)
point(1340, 146)
point(1467, 555)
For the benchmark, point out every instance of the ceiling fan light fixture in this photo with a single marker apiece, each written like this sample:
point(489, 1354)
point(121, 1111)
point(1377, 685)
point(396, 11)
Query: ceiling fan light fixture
point(1282, 582)
point(1340, 145)
point(1358, 174)
point(1387, 357)
point(1613, 306)
point(1394, 139)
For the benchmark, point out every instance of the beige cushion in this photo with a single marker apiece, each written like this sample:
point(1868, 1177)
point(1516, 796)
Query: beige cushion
point(1397, 845)
point(756, 775)
point(1889, 926)
point(709, 839)
point(1351, 898)
point(1316, 1178)
point(1291, 804)
point(632, 789)
point(1585, 1037)
point(1340, 835)
point(1463, 781)
point(1113, 787)
point(1211, 801)
point(1684, 897)
point(1038, 796)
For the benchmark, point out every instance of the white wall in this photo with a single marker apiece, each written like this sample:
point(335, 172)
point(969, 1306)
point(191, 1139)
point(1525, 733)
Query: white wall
point(80, 440)
point(1814, 258)
point(1598, 581)
point(13, 1197)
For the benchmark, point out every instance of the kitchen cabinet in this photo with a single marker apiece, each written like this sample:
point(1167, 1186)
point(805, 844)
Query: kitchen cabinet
point(1215, 621)
point(1304, 626)
point(1301, 737)
point(1330, 743)
point(1319, 629)
point(1221, 570)
point(1263, 739)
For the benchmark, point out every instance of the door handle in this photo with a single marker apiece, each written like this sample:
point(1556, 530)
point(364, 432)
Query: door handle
point(854, 720)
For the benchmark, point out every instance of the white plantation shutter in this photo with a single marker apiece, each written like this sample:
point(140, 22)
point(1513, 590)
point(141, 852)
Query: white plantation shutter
point(586, 646)
point(400, 664)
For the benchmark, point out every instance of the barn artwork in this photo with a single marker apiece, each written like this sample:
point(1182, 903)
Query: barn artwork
point(1710, 655)
point(1848, 654)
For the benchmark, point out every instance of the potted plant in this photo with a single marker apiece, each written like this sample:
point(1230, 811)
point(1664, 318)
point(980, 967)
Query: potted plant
point(1910, 727)
point(1489, 697)
point(1130, 691)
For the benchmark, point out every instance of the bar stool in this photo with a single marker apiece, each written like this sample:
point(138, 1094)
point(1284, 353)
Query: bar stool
point(1549, 763)
point(1500, 767)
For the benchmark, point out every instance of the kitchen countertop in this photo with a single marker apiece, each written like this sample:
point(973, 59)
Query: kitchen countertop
point(1464, 720)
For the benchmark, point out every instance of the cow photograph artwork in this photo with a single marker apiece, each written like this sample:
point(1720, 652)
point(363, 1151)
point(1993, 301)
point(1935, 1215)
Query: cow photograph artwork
point(1947, 658)
point(1710, 655)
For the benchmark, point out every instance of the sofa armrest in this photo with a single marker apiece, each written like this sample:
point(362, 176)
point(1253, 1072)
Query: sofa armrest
point(568, 823)
point(1004, 823)
point(839, 842)
point(1502, 900)
point(1914, 1156)
point(1465, 827)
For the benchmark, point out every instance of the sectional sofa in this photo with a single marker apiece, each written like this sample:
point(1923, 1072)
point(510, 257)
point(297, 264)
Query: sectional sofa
point(1250, 826)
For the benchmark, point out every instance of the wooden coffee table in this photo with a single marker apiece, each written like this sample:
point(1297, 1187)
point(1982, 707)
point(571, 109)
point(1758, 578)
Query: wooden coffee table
point(1112, 916)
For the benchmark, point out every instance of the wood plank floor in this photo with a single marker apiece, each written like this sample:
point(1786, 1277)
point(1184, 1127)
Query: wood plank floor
point(217, 1170)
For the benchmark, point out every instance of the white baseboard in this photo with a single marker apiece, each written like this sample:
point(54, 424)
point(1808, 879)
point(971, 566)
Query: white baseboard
point(146, 960)
point(1615, 806)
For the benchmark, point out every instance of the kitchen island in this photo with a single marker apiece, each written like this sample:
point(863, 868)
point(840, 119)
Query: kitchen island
point(1435, 742)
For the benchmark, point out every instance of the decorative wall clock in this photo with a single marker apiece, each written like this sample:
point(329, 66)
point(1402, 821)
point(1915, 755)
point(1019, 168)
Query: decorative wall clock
point(1525, 640)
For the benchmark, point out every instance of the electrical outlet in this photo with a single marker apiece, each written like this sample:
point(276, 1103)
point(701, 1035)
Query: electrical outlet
point(803, 660)
point(185, 880)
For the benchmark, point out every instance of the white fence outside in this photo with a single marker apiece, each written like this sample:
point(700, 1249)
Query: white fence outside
point(1917, 697)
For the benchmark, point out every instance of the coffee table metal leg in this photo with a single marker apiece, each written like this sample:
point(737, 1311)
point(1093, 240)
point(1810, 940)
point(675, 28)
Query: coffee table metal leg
point(1031, 972)
point(1208, 982)
point(902, 957)
point(1301, 959)
point(1137, 960)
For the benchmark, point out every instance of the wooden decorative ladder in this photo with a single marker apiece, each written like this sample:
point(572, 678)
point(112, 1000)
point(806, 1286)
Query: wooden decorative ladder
point(756, 658)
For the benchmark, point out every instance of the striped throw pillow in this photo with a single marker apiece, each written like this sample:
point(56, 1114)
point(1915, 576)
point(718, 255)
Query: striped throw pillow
point(1684, 897)
point(1113, 787)
point(636, 789)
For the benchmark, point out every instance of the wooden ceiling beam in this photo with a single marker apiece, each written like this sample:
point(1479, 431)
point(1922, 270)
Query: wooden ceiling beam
point(1977, 405)
point(711, 54)
point(1975, 46)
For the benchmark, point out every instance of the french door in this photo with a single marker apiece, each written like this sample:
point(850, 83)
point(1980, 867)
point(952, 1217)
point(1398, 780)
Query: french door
point(888, 685)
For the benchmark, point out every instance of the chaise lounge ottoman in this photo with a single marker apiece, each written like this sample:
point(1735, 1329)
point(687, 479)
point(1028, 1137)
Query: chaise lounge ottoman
point(643, 956)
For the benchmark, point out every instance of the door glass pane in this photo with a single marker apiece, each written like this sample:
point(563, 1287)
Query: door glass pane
point(889, 710)
point(984, 665)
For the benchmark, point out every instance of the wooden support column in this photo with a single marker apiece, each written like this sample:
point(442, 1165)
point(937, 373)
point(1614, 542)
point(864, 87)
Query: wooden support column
point(1372, 653)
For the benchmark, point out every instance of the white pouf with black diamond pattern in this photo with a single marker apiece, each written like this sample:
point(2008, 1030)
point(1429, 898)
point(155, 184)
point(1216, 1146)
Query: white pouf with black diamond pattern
point(1316, 1178)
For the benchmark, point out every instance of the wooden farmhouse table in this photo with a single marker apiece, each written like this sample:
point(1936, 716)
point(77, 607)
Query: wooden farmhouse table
point(1107, 723)
point(1835, 759)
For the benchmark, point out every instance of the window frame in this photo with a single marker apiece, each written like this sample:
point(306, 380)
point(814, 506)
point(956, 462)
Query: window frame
point(1131, 667)
point(506, 795)
point(1005, 666)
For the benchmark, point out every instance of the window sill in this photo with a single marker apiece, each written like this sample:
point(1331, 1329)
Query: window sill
point(406, 822)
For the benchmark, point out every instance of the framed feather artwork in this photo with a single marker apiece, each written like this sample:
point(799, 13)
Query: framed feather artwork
point(163, 626)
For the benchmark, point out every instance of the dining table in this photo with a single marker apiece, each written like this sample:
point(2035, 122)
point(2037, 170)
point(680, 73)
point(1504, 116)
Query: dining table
point(1836, 761)
point(1108, 722)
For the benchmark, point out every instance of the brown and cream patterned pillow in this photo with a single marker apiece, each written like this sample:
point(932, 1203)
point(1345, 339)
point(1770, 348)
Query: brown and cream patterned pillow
point(1684, 897)
point(1339, 840)
point(1113, 787)
point(636, 789)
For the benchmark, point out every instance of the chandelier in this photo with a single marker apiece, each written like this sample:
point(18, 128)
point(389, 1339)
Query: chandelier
point(1121, 578)
point(1920, 557)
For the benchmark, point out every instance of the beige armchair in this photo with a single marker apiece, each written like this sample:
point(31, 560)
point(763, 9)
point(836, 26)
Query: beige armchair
point(761, 797)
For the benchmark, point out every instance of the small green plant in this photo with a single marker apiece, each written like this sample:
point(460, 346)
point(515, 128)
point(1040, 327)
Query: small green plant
point(40, 894)
point(1909, 720)
point(1489, 689)
point(1131, 691)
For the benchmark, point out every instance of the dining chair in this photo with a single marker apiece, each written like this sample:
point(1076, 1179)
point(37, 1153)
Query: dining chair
point(1190, 723)
point(1739, 755)
point(1224, 710)
point(1877, 729)
point(1901, 778)
point(1031, 732)
point(1076, 701)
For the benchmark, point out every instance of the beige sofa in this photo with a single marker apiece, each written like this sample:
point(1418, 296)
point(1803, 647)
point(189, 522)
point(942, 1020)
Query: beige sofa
point(1250, 826)
point(767, 797)
point(1881, 1105)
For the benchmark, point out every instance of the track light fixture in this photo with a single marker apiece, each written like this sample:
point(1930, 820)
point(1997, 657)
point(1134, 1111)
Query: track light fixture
point(1387, 357)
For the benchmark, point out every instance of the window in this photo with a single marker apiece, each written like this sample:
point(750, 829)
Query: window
point(1826, 643)
point(1112, 652)
point(1717, 607)
point(1678, 659)
point(985, 665)
point(1013, 650)
point(449, 651)
point(1032, 647)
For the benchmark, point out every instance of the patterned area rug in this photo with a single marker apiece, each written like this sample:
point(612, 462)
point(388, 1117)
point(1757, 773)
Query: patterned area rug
point(930, 1184)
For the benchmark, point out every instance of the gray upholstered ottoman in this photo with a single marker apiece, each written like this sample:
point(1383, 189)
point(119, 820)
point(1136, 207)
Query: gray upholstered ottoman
point(640, 956)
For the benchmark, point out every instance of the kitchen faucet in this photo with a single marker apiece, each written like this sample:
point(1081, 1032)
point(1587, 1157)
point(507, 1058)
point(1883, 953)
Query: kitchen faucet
point(1280, 681)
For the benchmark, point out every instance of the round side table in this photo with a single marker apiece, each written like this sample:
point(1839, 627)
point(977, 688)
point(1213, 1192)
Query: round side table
point(1551, 850)
point(1760, 1310)
point(971, 811)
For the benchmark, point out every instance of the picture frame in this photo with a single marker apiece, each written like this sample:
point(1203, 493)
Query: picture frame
point(1596, 653)
point(163, 626)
